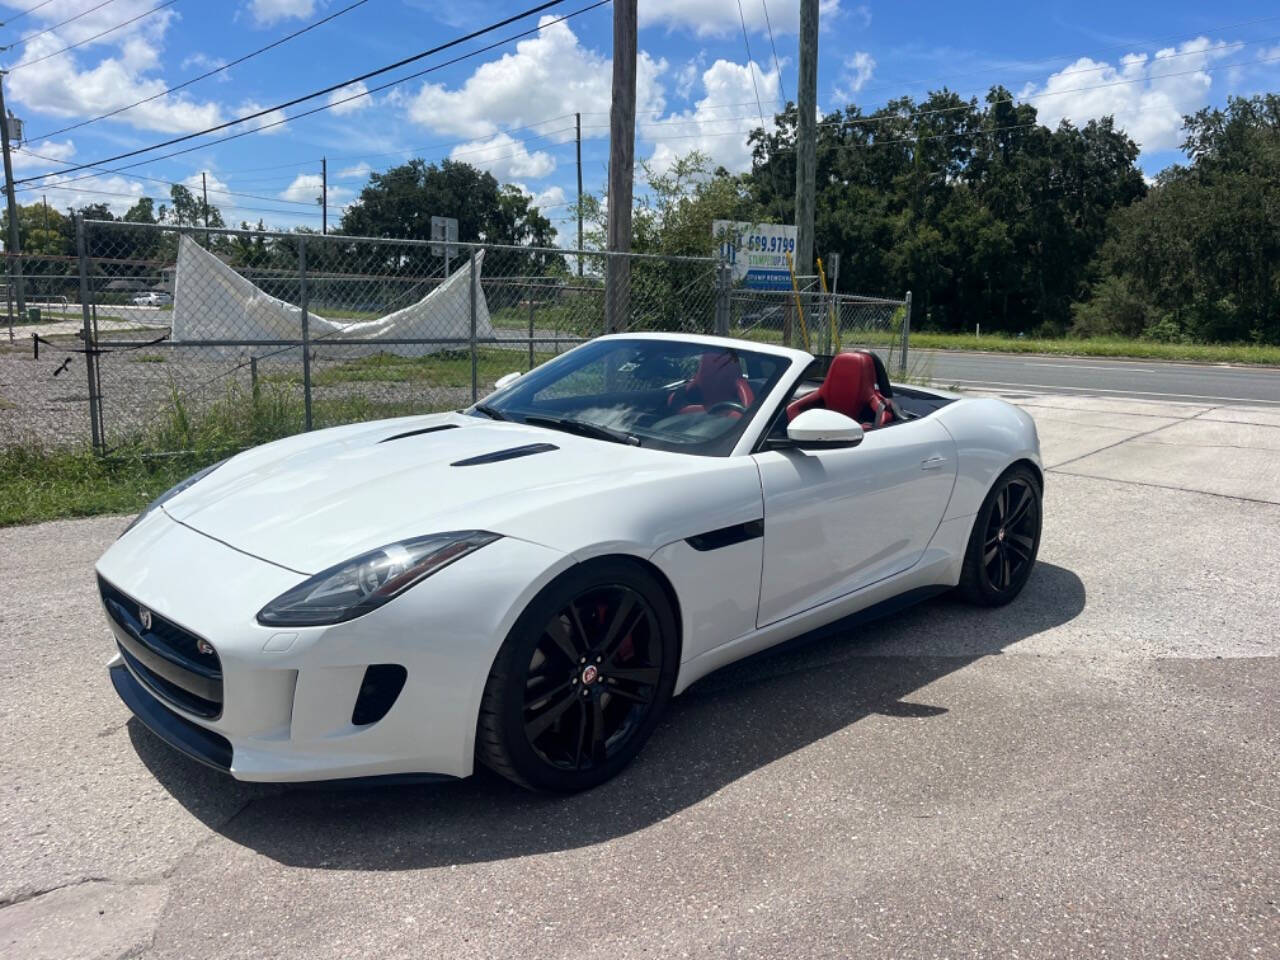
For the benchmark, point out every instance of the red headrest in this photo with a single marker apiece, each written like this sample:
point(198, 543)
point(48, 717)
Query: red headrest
point(717, 378)
point(850, 384)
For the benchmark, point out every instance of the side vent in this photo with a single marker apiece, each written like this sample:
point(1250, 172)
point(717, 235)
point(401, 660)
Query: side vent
point(511, 453)
point(378, 692)
point(414, 433)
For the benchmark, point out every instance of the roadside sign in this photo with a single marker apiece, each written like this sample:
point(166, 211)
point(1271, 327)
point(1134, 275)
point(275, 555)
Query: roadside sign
point(444, 229)
point(757, 252)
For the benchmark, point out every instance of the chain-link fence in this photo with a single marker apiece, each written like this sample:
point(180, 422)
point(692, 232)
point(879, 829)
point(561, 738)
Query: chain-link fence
point(196, 339)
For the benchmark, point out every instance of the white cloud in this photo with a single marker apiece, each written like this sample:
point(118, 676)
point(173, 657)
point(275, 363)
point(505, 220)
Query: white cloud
point(705, 128)
point(117, 192)
point(357, 172)
point(551, 198)
point(58, 87)
point(267, 12)
point(216, 187)
point(268, 123)
point(341, 103)
point(306, 188)
point(24, 158)
point(862, 12)
point(721, 17)
point(505, 157)
point(548, 75)
point(1148, 96)
point(857, 71)
point(686, 78)
point(204, 63)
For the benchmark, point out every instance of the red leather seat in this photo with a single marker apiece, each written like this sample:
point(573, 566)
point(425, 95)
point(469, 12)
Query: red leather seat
point(718, 379)
point(849, 388)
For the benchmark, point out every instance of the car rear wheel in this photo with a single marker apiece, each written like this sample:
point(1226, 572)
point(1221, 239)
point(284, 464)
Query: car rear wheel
point(1005, 540)
point(581, 680)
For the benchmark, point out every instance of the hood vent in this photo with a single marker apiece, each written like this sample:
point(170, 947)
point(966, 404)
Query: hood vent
point(414, 433)
point(511, 453)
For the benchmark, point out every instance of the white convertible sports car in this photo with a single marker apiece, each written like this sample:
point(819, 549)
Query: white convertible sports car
point(527, 582)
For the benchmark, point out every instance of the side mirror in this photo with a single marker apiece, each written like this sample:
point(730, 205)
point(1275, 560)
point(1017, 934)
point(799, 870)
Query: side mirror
point(506, 380)
point(824, 430)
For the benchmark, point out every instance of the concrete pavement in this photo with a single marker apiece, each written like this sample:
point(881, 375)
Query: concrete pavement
point(1091, 771)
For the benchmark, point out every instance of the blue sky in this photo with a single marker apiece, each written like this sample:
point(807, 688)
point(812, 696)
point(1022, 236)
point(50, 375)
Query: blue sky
point(510, 109)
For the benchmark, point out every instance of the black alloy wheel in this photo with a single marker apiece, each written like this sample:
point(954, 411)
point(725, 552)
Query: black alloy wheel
point(580, 683)
point(1005, 539)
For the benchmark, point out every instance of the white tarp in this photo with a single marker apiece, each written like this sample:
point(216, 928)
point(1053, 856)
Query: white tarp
point(211, 301)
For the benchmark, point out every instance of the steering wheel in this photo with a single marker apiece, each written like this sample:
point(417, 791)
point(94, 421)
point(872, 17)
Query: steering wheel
point(732, 406)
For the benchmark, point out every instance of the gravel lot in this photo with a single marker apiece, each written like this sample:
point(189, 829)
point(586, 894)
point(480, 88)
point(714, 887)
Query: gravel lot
point(1092, 771)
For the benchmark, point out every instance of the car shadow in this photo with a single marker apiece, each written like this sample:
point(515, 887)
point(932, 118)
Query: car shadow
point(724, 727)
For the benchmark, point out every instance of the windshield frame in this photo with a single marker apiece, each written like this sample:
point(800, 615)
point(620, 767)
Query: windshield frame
point(733, 442)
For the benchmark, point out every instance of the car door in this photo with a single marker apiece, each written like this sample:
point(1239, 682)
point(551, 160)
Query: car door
point(838, 520)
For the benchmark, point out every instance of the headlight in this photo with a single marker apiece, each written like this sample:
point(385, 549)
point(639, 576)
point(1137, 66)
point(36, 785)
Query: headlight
point(173, 491)
point(353, 588)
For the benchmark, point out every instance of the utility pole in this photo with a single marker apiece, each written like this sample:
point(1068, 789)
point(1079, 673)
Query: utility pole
point(324, 195)
point(14, 245)
point(806, 135)
point(577, 123)
point(204, 190)
point(622, 157)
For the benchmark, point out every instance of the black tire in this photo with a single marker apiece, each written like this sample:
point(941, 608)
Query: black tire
point(616, 619)
point(1005, 539)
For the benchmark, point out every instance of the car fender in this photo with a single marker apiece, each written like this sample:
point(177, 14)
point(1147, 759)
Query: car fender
point(990, 435)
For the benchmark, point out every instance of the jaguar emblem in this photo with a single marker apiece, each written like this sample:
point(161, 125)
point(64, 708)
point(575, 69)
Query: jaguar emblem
point(144, 617)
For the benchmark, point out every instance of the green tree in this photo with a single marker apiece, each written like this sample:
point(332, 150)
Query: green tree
point(986, 215)
point(1199, 257)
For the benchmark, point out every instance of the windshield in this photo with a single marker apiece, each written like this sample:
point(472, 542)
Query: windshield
point(688, 397)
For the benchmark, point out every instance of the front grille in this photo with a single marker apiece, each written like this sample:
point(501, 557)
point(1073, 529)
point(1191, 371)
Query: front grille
point(166, 657)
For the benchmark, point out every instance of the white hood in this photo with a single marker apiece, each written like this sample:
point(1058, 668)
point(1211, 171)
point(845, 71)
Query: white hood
point(314, 500)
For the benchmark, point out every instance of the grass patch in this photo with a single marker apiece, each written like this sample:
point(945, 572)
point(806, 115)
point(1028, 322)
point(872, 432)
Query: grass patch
point(1101, 347)
point(38, 484)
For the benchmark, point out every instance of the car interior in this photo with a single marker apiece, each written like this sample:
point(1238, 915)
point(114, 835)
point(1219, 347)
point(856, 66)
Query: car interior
point(855, 383)
point(697, 400)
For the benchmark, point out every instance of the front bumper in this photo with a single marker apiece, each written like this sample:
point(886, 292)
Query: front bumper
point(286, 713)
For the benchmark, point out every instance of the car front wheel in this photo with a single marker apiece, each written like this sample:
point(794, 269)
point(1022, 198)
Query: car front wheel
point(581, 680)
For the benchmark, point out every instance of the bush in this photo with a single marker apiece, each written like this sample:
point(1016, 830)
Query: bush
point(1115, 309)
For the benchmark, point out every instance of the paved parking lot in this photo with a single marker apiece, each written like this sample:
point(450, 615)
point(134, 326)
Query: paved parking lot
point(1092, 771)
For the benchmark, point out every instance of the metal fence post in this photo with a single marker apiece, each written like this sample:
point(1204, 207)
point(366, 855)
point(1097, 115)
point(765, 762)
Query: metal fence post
point(906, 335)
point(90, 356)
point(306, 334)
point(530, 329)
point(475, 379)
point(722, 299)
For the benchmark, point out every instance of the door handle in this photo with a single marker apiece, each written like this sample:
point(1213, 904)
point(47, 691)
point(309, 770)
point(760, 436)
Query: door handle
point(933, 463)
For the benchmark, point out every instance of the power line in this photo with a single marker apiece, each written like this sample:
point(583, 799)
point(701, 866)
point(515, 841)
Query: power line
point(30, 37)
point(136, 196)
point(209, 73)
point(20, 15)
point(305, 113)
point(81, 43)
point(318, 93)
point(173, 183)
point(776, 65)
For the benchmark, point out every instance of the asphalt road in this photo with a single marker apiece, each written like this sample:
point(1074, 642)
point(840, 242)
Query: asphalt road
point(1193, 383)
point(1091, 771)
